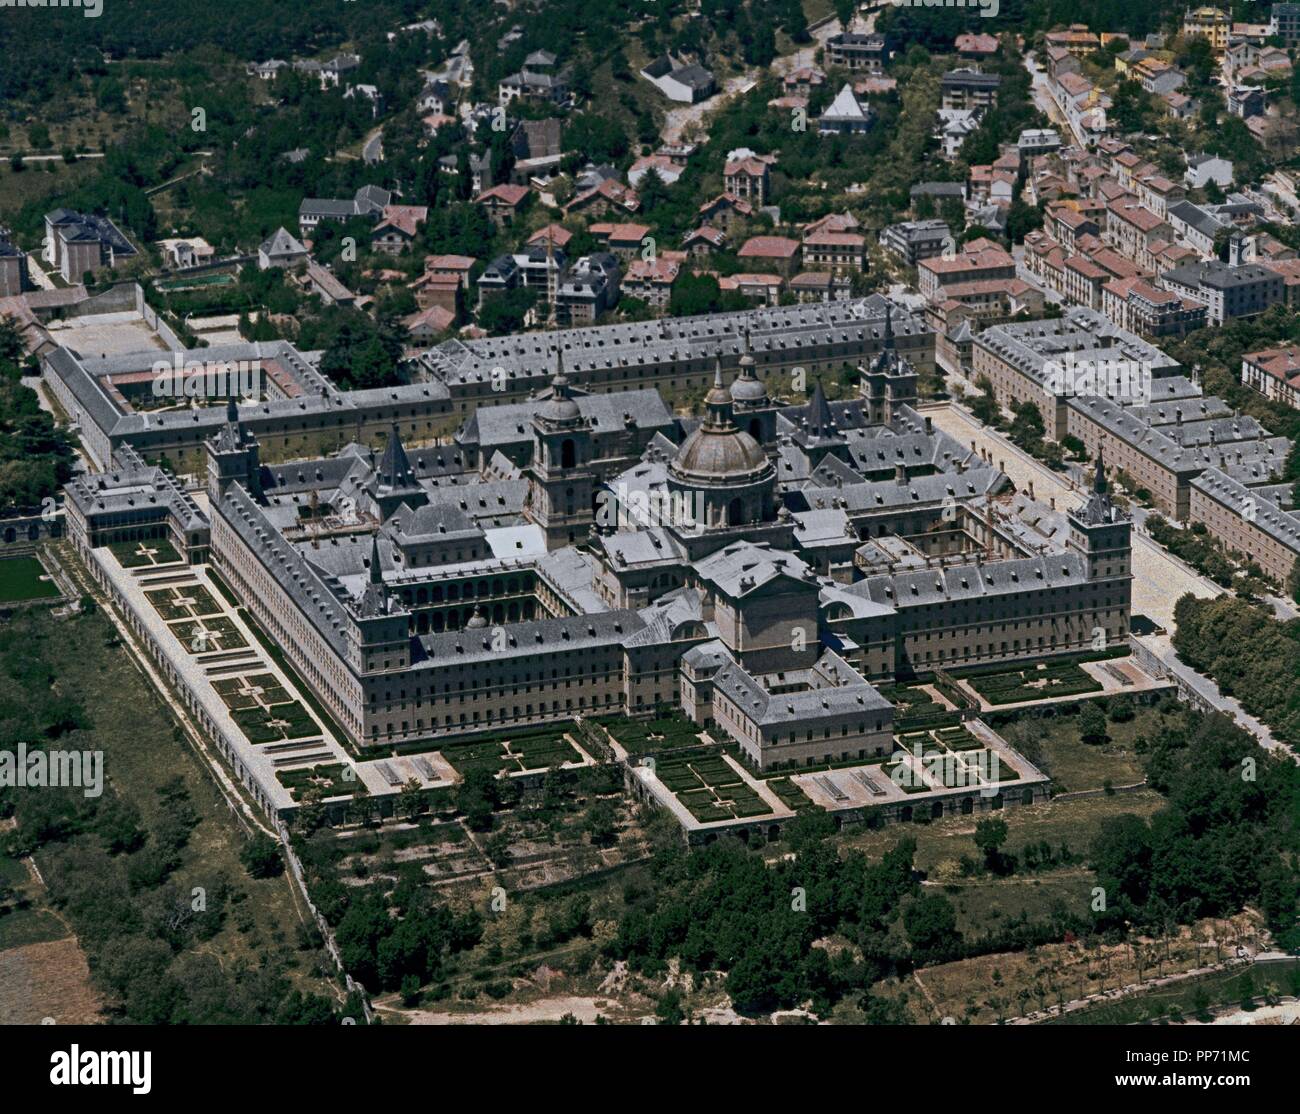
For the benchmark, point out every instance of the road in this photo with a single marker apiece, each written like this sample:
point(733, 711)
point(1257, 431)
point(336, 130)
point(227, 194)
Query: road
point(59, 158)
point(372, 151)
point(36, 272)
point(1046, 102)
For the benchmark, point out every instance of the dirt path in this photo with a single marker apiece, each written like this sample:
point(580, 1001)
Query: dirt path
point(544, 1010)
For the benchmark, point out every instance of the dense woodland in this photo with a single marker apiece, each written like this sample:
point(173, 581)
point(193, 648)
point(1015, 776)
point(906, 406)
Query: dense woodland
point(35, 456)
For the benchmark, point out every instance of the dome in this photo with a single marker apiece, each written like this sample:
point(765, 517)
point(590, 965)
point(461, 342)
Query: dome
point(747, 389)
point(747, 386)
point(559, 408)
point(721, 454)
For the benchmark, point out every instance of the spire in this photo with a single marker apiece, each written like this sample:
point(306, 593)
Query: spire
point(560, 381)
point(376, 573)
point(232, 410)
point(394, 466)
point(1099, 478)
point(746, 355)
point(889, 324)
point(820, 422)
point(717, 402)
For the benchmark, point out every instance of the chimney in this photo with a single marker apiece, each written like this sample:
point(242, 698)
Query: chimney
point(1053, 502)
point(929, 424)
point(1031, 489)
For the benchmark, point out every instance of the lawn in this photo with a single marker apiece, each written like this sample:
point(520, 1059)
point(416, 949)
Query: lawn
point(1054, 745)
point(135, 555)
point(20, 579)
point(941, 844)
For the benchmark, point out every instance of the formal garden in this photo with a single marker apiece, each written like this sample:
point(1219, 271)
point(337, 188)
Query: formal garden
point(203, 636)
point(710, 788)
point(191, 601)
point(333, 779)
point(641, 736)
point(1034, 682)
point(144, 554)
point(513, 752)
point(263, 708)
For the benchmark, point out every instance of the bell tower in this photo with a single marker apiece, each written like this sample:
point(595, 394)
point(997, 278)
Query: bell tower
point(561, 483)
point(233, 457)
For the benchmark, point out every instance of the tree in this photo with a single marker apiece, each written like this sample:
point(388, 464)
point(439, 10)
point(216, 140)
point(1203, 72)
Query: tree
point(990, 835)
point(1121, 855)
point(984, 406)
point(410, 990)
point(1120, 710)
point(601, 823)
point(1027, 426)
point(505, 313)
point(931, 923)
point(261, 857)
point(410, 800)
point(669, 1007)
point(1092, 724)
point(477, 798)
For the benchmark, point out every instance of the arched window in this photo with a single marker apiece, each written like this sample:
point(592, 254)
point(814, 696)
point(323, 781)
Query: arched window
point(568, 453)
point(735, 512)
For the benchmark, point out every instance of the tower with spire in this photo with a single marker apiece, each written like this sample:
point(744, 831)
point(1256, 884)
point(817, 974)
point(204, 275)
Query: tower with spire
point(1101, 534)
point(889, 380)
point(817, 436)
point(561, 482)
point(393, 481)
point(752, 408)
point(233, 457)
point(380, 631)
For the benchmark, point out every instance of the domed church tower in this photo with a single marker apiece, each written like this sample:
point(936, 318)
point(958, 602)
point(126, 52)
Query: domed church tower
point(560, 491)
point(722, 471)
point(754, 411)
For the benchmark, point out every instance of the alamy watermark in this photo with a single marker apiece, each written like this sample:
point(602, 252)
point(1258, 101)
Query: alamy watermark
point(44, 769)
point(181, 378)
point(622, 509)
point(91, 9)
point(1118, 379)
point(988, 8)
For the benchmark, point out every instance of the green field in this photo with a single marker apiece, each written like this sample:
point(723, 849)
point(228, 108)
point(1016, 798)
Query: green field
point(20, 579)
